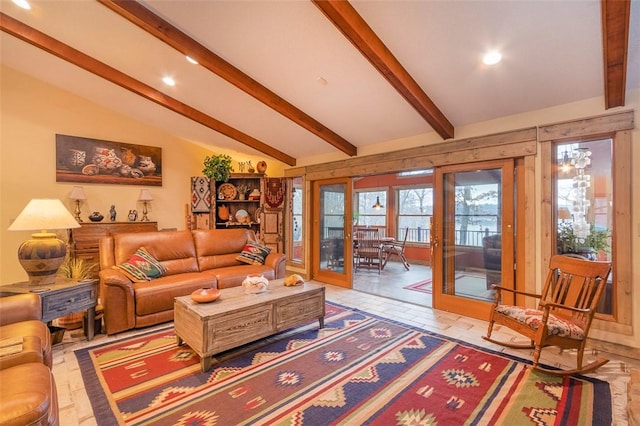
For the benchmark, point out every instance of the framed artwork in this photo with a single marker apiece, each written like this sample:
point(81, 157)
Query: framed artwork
point(86, 160)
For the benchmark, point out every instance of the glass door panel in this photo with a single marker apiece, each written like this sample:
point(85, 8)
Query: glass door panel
point(332, 233)
point(474, 236)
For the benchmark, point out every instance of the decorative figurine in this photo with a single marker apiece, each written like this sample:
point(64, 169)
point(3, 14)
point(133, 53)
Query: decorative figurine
point(113, 213)
point(133, 215)
point(250, 167)
point(95, 217)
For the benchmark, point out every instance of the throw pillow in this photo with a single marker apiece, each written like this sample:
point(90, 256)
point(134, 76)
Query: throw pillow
point(142, 267)
point(253, 253)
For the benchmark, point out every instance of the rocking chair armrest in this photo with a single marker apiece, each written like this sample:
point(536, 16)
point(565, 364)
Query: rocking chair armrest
point(499, 288)
point(548, 305)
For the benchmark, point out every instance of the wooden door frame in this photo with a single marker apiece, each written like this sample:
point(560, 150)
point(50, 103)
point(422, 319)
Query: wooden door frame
point(451, 303)
point(344, 279)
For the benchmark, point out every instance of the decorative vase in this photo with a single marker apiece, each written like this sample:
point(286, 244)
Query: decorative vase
point(204, 295)
point(255, 283)
point(223, 212)
point(261, 166)
point(255, 195)
point(95, 217)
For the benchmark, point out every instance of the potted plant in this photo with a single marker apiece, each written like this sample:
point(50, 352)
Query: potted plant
point(595, 242)
point(218, 167)
point(76, 269)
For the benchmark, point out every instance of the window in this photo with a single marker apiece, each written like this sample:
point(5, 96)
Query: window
point(584, 203)
point(296, 244)
point(598, 203)
point(368, 215)
point(415, 208)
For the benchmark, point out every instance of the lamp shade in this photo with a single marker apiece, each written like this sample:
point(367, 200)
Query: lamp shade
point(145, 195)
point(44, 214)
point(42, 255)
point(77, 193)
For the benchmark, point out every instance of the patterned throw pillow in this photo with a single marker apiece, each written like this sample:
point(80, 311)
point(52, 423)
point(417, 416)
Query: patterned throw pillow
point(142, 267)
point(254, 253)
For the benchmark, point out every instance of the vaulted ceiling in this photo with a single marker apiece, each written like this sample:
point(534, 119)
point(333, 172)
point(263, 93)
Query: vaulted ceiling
point(298, 79)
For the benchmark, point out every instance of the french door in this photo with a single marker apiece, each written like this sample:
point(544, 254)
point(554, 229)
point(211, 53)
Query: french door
point(472, 235)
point(331, 236)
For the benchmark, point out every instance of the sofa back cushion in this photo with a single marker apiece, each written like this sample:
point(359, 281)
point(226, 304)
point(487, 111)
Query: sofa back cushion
point(174, 249)
point(218, 248)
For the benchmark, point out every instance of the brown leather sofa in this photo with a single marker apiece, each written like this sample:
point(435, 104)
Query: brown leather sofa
point(193, 259)
point(28, 394)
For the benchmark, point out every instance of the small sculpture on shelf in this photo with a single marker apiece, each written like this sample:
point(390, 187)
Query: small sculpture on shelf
point(250, 167)
point(112, 213)
point(95, 217)
point(133, 215)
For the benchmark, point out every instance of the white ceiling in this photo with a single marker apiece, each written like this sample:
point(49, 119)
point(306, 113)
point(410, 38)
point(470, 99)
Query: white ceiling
point(552, 54)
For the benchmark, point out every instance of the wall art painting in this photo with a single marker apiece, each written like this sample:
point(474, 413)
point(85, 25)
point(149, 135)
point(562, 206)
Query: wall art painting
point(89, 160)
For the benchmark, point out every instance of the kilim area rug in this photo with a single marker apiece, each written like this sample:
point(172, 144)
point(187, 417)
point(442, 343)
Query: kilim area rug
point(359, 369)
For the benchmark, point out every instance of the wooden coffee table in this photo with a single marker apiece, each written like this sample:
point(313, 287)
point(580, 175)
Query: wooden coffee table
point(237, 318)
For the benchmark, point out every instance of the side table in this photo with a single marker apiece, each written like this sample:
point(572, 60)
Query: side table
point(64, 297)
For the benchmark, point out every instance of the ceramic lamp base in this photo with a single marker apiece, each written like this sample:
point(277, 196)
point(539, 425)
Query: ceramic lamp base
point(41, 257)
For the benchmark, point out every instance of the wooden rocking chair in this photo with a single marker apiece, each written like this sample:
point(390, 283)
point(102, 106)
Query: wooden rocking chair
point(566, 308)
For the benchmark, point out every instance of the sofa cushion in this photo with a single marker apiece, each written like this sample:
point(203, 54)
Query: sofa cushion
point(158, 295)
point(254, 253)
point(218, 248)
point(174, 249)
point(142, 266)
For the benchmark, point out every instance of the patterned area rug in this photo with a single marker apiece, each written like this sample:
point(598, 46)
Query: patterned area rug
point(359, 369)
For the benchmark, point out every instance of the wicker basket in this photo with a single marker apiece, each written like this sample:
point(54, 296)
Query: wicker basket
point(57, 334)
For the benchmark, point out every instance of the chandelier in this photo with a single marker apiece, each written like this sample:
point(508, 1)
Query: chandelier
point(580, 159)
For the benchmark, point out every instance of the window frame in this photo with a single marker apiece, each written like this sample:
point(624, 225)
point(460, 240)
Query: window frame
point(398, 215)
point(618, 127)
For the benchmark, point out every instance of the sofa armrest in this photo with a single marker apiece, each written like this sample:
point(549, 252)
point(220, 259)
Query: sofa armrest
point(20, 307)
point(277, 261)
point(118, 301)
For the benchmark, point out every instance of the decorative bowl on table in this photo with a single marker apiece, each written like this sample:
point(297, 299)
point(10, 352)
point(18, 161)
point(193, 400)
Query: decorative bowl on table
point(255, 283)
point(204, 295)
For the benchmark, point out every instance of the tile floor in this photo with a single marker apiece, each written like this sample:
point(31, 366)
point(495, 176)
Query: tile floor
point(75, 408)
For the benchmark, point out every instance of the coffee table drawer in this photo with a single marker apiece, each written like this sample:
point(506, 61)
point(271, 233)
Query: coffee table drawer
point(299, 309)
point(238, 328)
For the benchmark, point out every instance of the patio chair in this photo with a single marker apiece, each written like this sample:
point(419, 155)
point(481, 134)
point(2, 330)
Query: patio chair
point(368, 249)
point(564, 314)
point(396, 249)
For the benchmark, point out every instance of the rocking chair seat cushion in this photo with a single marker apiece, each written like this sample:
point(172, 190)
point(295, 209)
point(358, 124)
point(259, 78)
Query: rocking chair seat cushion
point(533, 319)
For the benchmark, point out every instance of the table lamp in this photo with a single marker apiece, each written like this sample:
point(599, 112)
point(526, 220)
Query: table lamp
point(145, 197)
point(42, 255)
point(77, 194)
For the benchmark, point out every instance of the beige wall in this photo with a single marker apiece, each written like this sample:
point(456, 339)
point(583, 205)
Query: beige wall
point(32, 112)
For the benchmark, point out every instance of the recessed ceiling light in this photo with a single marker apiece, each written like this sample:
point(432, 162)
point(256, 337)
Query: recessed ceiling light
point(22, 3)
point(168, 81)
point(492, 58)
point(190, 59)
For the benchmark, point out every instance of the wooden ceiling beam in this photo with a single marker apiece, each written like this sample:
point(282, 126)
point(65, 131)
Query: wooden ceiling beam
point(356, 30)
point(169, 34)
point(76, 57)
point(615, 45)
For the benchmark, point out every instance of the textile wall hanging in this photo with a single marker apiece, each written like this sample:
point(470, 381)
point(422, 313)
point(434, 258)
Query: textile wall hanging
point(200, 194)
point(275, 191)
